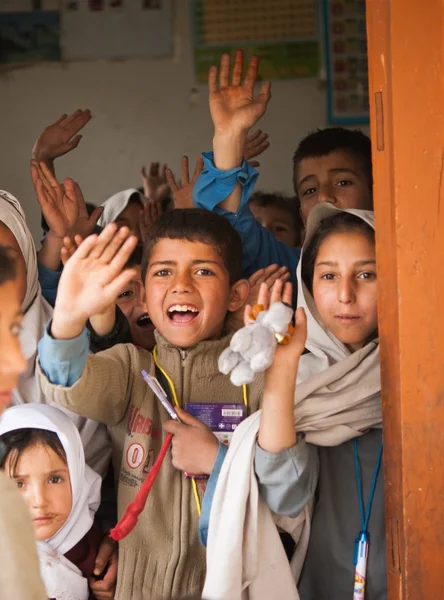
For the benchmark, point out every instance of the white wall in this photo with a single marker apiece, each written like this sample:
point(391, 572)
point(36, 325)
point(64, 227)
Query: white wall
point(141, 112)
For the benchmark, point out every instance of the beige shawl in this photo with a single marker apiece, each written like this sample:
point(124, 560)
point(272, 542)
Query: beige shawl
point(337, 399)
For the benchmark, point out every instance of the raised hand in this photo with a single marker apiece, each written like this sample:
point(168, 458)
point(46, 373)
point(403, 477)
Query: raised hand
point(183, 195)
point(154, 180)
point(62, 205)
point(149, 214)
point(255, 144)
point(60, 137)
point(286, 358)
point(92, 279)
point(268, 276)
point(234, 108)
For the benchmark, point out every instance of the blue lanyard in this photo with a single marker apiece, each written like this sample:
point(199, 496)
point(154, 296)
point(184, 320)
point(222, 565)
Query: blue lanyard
point(365, 516)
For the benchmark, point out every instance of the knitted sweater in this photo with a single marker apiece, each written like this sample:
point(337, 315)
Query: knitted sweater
point(162, 557)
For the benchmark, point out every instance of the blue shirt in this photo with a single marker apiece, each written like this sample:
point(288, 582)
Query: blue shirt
point(260, 247)
point(49, 282)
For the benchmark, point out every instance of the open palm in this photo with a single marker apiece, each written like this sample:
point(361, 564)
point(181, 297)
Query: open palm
point(62, 205)
point(234, 107)
point(94, 275)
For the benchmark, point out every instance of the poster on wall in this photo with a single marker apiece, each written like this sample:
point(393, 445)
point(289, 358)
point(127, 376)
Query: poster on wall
point(284, 33)
point(29, 31)
point(116, 29)
point(346, 61)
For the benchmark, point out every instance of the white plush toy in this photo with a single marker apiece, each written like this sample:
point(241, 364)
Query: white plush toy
point(252, 348)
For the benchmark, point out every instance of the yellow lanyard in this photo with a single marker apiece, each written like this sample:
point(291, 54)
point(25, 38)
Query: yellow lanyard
point(176, 402)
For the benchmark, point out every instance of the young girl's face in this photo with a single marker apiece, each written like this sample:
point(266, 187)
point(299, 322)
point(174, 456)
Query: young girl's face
point(42, 477)
point(344, 287)
point(12, 362)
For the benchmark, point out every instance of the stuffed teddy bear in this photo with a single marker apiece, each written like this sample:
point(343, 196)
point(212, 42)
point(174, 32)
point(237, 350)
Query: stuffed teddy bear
point(252, 348)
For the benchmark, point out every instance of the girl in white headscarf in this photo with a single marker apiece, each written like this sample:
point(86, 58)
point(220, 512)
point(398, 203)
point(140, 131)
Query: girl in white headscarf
point(37, 313)
point(324, 402)
point(43, 454)
point(124, 209)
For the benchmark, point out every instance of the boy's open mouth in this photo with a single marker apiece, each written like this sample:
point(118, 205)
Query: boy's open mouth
point(182, 313)
point(144, 321)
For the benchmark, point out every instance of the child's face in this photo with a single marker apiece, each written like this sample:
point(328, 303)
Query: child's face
point(344, 287)
point(141, 326)
point(130, 217)
point(337, 177)
point(188, 291)
point(278, 221)
point(12, 362)
point(7, 239)
point(42, 477)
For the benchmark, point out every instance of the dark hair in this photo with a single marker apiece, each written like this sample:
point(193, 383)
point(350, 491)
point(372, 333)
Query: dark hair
point(136, 257)
point(334, 139)
point(197, 225)
point(17, 441)
point(282, 202)
point(340, 222)
point(8, 265)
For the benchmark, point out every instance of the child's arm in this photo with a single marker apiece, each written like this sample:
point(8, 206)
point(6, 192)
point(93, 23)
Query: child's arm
point(227, 180)
point(90, 283)
point(286, 467)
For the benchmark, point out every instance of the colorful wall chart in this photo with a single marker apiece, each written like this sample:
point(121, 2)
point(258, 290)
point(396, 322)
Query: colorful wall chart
point(346, 61)
point(284, 33)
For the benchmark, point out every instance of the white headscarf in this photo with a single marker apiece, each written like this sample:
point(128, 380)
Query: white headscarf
point(337, 398)
point(63, 580)
point(117, 204)
point(37, 313)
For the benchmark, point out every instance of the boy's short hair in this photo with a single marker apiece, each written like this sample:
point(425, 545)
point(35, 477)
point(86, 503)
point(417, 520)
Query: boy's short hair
point(264, 199)
point(8, 265)
point(197, 225)
point(335, 139)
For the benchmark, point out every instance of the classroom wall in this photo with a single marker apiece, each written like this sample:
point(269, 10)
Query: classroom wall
point(143, 110)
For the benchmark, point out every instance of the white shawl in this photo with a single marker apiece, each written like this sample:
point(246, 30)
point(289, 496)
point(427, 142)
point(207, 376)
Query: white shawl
point(62, 579)
point(117, 204)
point(37, 313)
point(337, 398)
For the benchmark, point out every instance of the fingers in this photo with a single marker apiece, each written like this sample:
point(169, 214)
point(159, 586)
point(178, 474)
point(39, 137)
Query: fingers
point(247, 311)
point(264, 93)
point(118, 284)
point(212, 80)
point(49, 181)
point(95, 215)
point(238, 67)
point(287, 295)
point(171, 181)
point(253, 136)
point(281, 273)
point(251, 76)
point(264, 295)
point(162, 174)
point(276, 292)
point(173, 427)
point(185, 170)
point(198, 169)
point(105, 552)
point(107, 250)
point(256, 277)
point(76, 121)
point(255, 146)
point(60, 119)
point(154, 169)
point(188, 419)
point(101, 241)
point(224, 70)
